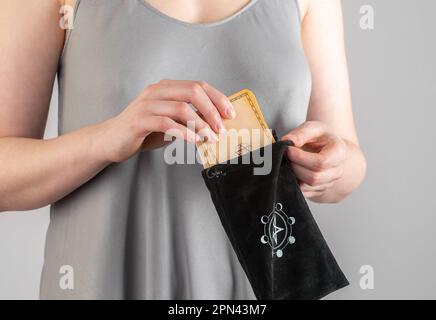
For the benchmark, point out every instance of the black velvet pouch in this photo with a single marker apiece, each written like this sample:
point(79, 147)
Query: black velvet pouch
point(271, 228)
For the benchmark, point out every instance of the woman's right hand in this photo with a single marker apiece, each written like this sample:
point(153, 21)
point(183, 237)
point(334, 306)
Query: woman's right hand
point(164, 108)
point(34, 171)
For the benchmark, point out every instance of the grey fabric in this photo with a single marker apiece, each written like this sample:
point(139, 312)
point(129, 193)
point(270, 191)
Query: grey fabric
point(144, 229)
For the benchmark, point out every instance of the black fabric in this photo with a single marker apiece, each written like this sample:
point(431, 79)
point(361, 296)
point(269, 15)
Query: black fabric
point(272, 230)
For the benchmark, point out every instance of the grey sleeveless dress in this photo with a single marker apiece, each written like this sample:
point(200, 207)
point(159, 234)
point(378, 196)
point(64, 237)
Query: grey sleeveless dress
point(144, 229)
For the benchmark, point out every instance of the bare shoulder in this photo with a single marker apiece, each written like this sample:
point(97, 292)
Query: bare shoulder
point(308, 5)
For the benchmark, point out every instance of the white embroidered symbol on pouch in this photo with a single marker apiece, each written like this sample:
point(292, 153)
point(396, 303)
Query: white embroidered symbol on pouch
point(277, 230)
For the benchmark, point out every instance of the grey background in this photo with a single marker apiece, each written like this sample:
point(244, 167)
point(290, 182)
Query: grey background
point(390, 222)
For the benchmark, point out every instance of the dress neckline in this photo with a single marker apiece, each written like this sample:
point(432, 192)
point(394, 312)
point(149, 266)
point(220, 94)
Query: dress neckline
point(223, 21)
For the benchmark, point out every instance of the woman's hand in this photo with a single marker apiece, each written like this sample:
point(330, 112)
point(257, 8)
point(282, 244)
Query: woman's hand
point(318, 157)
point(164, 108)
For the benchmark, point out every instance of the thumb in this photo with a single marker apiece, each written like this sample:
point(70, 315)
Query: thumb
point(305, 133)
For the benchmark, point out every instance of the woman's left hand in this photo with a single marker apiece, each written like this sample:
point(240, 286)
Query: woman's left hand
point(318, 157)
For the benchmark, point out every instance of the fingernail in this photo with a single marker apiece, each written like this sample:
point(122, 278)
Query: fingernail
point(230, 112)
point(220, 127)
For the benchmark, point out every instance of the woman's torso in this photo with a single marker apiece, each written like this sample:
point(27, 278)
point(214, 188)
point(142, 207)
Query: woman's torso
point(145, 229)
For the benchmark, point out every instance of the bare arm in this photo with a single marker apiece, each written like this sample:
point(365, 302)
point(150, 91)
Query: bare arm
point(36, 172)
point(328, 159)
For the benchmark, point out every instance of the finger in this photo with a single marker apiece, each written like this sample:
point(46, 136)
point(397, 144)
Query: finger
point(191, 92)
point(171, 128)
point(306, 133)
point(219, 99)
point(316, 178)
point(312, 195)
point(184, 114)
point(331, 155)
point(305, 188)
